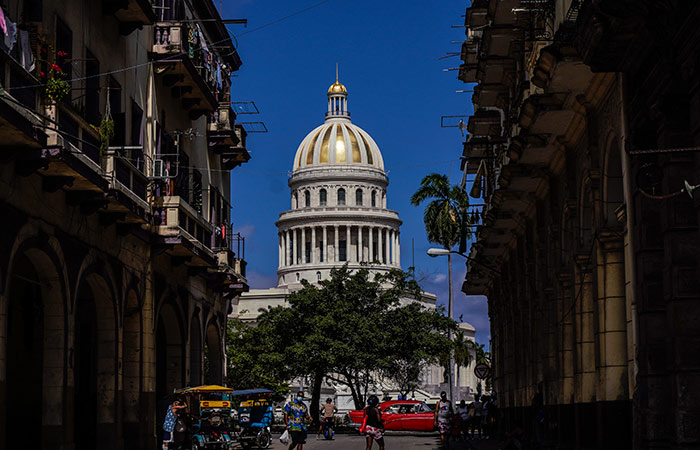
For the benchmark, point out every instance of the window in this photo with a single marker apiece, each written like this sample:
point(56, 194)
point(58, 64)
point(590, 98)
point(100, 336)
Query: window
point(307, 252)
point(136, 134)
point(374, 198)
point(318, 276)
point(342, 250)
point(358, 197)
point(323, 197)
point(341, 196)
point(296, 200)
point(307, 198)
point(64, 44)
point(297, 276)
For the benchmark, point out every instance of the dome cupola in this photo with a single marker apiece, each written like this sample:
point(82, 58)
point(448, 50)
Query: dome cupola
point(338, 141)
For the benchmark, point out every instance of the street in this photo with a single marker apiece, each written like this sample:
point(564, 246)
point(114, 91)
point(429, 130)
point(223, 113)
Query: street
point(423, 441)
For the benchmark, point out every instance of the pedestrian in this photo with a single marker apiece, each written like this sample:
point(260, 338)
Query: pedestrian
point(463, 411)
point(476, 421)
point(485, 416)
point(443, 413)
point(327, 413)
point(374, 427)
point(296, 417)
point(171, 417)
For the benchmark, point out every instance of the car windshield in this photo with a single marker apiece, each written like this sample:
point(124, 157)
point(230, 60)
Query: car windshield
point(425, 408)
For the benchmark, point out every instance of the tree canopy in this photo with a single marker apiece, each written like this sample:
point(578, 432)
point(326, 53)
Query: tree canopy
point(446, 219)
point(351, 329)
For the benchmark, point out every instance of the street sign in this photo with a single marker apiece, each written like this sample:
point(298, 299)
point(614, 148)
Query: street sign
point(482, 371)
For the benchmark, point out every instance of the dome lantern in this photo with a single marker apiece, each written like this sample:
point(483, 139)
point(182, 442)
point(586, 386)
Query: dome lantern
point(337, 100)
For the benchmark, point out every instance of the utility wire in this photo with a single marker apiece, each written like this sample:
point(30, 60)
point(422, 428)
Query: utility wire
point(177, 55)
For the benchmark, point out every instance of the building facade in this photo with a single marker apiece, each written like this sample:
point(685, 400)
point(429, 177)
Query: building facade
point(117, 262)
point(339, 215)
point(583, 147)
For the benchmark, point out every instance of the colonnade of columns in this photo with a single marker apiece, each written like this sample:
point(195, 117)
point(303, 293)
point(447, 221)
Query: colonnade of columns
point(350, 243)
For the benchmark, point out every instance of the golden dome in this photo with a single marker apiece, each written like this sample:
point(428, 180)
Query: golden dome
point(337, 88)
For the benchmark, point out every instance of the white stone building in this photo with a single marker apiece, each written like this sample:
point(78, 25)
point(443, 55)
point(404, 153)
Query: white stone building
point(338, 216)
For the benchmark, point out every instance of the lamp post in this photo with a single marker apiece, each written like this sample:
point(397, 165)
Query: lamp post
point(433, 252)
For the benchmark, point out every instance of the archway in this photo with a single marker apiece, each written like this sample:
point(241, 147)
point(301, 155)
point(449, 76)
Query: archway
point(195, 352)
point(213, 355)
point(35, 351)
point(95, 368)
point(170, 351)
point(25, 352)
point(613, 187)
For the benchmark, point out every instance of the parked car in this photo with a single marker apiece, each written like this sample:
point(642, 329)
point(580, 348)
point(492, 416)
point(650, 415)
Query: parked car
point(404, 415)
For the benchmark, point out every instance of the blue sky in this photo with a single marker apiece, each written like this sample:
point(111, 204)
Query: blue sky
point(388, 55)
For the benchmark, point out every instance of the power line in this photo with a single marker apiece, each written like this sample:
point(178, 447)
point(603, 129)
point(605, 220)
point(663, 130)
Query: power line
point(138, 66)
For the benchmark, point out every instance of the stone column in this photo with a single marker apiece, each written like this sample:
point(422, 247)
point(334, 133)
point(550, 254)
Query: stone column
point(336, 256)
point(313, 245)
point(612, 318)
point(324, 253)
point(286, 247)
point(348, 257)
point(398, 248)
point(294, 246)
point(380, 256)
point(279, 249)
point(393, 249)
point(370, 250)
point(566, 338)
point(361, 250)
point(303, 245)
point(585, 339)
point(387, 247)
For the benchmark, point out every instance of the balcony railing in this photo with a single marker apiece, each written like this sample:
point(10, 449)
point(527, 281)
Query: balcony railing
point(131, 14)
point(196, 76)
point(182, 227)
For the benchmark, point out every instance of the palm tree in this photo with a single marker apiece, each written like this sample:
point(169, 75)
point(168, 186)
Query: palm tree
point(446, 215)
point(446, 222)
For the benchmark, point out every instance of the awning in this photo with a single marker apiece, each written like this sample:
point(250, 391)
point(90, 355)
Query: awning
point(476, 189)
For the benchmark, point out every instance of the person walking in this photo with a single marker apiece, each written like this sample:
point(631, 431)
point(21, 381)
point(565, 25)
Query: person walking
point(476, 422)
point(374, 427)
point(443, 414)
point(463, 411)
point(296, 416)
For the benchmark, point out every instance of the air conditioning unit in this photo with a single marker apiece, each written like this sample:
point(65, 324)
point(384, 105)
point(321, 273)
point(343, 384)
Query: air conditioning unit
point(160, 170)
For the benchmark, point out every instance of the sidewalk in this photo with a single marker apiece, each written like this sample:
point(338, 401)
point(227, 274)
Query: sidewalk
point(476, 444)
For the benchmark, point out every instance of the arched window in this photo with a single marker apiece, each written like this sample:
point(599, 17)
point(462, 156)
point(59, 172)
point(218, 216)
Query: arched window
point(374, 198)
point(358, 197)
point(307, 198)
point(323, 197)
point(341, 196)
point(318, 276)
point(296, 200)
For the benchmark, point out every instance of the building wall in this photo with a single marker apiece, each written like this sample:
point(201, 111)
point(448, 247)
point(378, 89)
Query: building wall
point(109, 299)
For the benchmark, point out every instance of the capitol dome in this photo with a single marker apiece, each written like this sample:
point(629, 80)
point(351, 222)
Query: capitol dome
point(338, 140)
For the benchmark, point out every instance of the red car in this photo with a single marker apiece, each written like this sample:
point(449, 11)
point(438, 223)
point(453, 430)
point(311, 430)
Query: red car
point(405, 415)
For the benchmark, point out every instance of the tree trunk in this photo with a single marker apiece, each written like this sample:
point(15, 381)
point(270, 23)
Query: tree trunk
point(316, 396)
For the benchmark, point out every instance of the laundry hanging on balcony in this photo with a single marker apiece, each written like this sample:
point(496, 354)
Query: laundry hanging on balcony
point(3, 27)
point(26, 57)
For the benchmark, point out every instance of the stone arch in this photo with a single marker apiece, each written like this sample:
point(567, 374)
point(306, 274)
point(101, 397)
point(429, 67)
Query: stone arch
point(33, 317)
point(195, 350)
point(613, 186)
point(214, 355)
point(95, 349)
point(170, 347)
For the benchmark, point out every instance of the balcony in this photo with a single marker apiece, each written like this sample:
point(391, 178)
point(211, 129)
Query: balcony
point(234, 156)
point(131, 14)
point(187, 236)
point(181, 66)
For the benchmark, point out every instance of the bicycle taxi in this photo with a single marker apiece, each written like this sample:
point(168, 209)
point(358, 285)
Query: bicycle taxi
point(255, 416)
point(209, 408)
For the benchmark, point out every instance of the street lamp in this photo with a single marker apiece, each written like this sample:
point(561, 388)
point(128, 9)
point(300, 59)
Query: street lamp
point(433, 252)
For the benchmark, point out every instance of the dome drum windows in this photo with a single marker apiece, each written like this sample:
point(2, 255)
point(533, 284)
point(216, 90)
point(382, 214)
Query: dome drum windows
point(307, 198)
point(323, 197)
point(374, 199)
point(358, 197)
point(341, 197)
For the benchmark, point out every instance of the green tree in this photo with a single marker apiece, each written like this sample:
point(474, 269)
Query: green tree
point(347, 329)
point(463, 351)
point(445, 217)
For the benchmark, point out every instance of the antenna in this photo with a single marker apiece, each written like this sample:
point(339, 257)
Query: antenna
point(336, 72)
